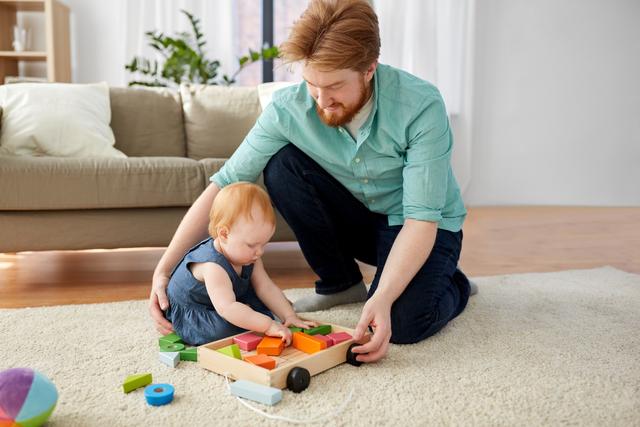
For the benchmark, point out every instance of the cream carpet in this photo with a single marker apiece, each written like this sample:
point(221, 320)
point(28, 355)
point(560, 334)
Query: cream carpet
point(531, 349)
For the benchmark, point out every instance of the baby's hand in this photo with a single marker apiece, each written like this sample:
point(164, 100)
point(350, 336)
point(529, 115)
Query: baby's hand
point(279, 330)
point(296, 321)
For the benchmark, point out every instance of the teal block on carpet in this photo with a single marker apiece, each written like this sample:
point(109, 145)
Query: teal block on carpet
point(257, 392)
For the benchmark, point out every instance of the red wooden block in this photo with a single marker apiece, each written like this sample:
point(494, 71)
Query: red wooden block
point(261, 360)
point(326, 338)
point(270, 346)
point(339, 337)
point(248, 341)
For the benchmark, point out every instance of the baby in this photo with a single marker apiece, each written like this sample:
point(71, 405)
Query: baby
point(220, 287)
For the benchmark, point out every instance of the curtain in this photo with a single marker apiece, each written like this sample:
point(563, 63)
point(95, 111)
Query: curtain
point(432, 39)
point(218, 23)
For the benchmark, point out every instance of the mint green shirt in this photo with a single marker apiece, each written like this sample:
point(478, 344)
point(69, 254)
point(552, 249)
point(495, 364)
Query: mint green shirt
point(399, 164)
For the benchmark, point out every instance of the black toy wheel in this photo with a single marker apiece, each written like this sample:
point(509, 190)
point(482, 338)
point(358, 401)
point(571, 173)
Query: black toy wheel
point(298, 379)
point(351, 356)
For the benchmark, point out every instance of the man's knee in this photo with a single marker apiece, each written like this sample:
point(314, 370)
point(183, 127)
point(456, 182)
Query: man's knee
point(410, 329)
point(283, 160)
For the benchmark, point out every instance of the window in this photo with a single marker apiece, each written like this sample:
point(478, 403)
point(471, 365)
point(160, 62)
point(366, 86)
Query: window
point(249, 25)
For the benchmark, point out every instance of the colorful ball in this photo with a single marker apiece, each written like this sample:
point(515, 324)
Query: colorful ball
point(27, 398)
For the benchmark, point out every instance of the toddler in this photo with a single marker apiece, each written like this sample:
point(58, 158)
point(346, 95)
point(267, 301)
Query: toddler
point(220, 287)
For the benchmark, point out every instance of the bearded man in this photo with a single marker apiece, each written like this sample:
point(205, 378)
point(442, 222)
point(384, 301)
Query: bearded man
point(357, 160)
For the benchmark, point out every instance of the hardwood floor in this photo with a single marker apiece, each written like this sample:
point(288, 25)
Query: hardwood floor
point(497, 240)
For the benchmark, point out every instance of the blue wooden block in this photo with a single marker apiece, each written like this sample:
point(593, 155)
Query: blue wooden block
point(169, 358)
point(259, 393)
point(159, 394)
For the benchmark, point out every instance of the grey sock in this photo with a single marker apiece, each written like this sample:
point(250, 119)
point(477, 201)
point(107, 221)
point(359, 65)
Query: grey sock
point(474, 288)
point(356, 293)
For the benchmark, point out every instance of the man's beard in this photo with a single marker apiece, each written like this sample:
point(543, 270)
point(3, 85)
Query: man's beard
point(345, 114)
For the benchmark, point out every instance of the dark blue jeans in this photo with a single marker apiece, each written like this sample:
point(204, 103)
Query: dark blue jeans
point(334, 229)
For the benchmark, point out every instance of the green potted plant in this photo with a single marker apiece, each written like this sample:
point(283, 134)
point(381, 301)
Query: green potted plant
point(185, 60)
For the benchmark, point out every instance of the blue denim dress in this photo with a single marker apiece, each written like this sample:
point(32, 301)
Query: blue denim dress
point(191, 311)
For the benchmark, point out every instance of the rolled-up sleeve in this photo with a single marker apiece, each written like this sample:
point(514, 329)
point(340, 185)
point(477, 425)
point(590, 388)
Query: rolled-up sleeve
point(264, 140)
point(427, 163)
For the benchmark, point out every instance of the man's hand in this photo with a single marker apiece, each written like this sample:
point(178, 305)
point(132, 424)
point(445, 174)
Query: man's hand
point(158, 301)
point(377, 313)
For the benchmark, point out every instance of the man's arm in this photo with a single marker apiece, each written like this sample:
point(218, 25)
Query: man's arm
point(192, 229)
point(425, 177)
point(408, 254)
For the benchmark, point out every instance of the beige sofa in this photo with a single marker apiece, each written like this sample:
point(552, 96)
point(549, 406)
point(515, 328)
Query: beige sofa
point(175, 140)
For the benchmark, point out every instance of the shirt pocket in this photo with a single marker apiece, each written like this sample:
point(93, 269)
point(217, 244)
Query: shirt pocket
point(384, 168)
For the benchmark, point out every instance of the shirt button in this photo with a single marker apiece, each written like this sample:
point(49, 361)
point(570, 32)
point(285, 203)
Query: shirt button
point(357, 159)
point(373, 200)
point(366, 181)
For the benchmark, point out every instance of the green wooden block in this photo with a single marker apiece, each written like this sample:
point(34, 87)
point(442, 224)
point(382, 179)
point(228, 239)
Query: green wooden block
point(319, 330)
point(295, 329)
point(190, 354)
point(133, 382)
point(172, 347)
point(171, 338)
point(231, 350)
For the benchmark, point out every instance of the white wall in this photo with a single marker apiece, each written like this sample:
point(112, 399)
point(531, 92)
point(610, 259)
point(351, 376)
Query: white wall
point(556, 96)
point(97, 41)
point(556, 115)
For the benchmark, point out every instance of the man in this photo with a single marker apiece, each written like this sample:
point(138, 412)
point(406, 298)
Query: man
point(357, 160)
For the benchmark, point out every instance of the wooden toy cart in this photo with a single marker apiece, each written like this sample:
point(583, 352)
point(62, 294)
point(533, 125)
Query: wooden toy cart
point(293, 370)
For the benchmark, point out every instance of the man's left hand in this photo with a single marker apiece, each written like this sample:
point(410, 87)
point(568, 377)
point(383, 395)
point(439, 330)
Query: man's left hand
point(377, 313)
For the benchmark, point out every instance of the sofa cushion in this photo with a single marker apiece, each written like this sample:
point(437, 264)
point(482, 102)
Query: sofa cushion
point(217, 118)
point(148, 121)
point(49, 183)
point(57, 119)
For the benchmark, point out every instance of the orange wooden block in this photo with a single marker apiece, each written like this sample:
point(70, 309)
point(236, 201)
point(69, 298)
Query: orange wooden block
point(261, 360)
point(308, 343)
point(270, 346)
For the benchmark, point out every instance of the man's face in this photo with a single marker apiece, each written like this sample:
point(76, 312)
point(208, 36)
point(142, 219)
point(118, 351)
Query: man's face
point(339, 94)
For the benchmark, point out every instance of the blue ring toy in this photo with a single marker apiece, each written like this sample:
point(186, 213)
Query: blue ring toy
point(158, 394)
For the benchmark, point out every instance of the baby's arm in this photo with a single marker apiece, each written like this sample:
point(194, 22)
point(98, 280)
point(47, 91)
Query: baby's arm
point(273, 297)
point(220, 290)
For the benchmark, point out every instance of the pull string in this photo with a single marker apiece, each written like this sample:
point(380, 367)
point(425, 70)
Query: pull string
point(321, 417)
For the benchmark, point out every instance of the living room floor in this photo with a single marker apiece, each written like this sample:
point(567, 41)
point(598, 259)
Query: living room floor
point(497, 240)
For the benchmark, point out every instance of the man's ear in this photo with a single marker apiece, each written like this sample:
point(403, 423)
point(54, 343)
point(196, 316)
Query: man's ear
point(368, 75)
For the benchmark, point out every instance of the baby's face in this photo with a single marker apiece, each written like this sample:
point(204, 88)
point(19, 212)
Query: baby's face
point(247, 238)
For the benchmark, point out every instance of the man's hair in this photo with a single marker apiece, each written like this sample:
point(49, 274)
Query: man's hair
point(333, 35)
point(236, 200)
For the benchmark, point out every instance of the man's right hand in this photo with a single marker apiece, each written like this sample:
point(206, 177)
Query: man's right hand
point(158, 301)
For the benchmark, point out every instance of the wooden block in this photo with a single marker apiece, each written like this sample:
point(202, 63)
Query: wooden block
point(261, 360)
point(339, 337)
point(324, 338)
point(248, 341)
point(271, 346)
point(322, 330)
point(133, 382)
point(169, 358)
point(171, 338)
point(232, 351)
point(308, 343)
point(257, 392)
point(172, 347)
point(190, 354)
